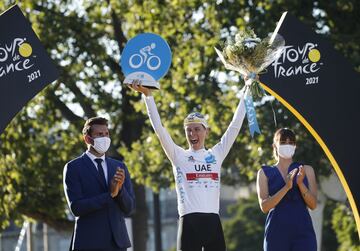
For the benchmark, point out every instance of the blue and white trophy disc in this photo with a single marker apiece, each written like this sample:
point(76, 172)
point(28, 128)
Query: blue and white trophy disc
point(147, 58)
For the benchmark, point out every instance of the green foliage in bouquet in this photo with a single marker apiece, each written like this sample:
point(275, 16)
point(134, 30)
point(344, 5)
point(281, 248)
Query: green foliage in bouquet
point(249, 55)
point(246, 49)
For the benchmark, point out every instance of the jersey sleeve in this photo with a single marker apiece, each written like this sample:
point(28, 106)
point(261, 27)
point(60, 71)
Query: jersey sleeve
point(227, 140)
point(166, 141)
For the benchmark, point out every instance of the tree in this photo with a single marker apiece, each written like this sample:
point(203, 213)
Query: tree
point(85, 39)
point(78, 39)
point(345, 228)
point(243, 231)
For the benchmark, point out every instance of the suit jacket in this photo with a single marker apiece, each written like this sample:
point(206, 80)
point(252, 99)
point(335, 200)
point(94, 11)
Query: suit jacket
point(99, 218)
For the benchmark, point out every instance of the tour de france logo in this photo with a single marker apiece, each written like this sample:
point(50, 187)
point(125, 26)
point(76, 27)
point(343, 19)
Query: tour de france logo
point(299, 61)
point(17, 56)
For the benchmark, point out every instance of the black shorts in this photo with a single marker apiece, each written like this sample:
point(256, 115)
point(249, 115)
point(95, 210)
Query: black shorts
point(200, 230)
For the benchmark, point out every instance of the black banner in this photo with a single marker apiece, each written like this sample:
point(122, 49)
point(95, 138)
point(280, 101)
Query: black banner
point(25, 67)
point(317, 84)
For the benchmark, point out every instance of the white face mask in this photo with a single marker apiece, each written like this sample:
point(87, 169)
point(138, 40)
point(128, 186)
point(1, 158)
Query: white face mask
point(102, 144)
point(286, 151)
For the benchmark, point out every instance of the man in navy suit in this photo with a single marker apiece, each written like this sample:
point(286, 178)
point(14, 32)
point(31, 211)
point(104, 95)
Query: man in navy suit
point(99, 193)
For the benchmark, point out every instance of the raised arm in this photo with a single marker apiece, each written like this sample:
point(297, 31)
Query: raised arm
point(228, 139)
point(165, 139)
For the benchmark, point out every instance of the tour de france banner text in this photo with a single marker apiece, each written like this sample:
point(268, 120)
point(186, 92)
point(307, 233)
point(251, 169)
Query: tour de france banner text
point(317, 84)
point(25, 67)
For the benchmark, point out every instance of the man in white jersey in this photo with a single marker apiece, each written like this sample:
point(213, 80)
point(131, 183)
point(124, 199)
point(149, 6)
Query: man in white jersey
point(197, 175)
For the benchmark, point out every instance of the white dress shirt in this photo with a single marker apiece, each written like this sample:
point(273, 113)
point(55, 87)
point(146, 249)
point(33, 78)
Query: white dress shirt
point(103, 163)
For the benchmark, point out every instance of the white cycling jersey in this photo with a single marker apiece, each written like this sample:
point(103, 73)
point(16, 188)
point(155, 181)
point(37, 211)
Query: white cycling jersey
point(197, 173)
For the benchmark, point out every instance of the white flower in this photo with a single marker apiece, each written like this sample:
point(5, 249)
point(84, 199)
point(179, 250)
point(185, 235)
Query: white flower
point(251, 42)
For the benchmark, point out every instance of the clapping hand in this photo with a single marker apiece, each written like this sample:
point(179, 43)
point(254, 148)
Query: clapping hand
point(300, 175)
point(289, 179)
point(117, 182)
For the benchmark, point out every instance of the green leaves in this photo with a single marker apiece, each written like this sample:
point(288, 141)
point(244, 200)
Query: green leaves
point(85, 40)
point(344, 226)
point(245, 230)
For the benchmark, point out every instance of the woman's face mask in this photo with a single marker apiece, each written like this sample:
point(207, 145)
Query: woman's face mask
point(286, 151)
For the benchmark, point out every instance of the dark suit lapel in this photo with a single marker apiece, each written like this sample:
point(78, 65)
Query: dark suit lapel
point(92, 168)
point(111, 169)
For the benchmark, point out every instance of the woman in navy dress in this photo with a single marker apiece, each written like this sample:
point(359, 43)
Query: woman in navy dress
point(286, 191)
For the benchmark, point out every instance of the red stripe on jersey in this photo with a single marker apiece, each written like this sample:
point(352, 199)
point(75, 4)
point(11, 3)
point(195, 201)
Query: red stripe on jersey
point(195, 176)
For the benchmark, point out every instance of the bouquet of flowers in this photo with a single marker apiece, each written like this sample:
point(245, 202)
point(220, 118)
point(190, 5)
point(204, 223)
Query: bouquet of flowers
point(249, 55)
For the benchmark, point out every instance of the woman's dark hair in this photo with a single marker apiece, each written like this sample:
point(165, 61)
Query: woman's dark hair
point(93, 121)
point(281, 135)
